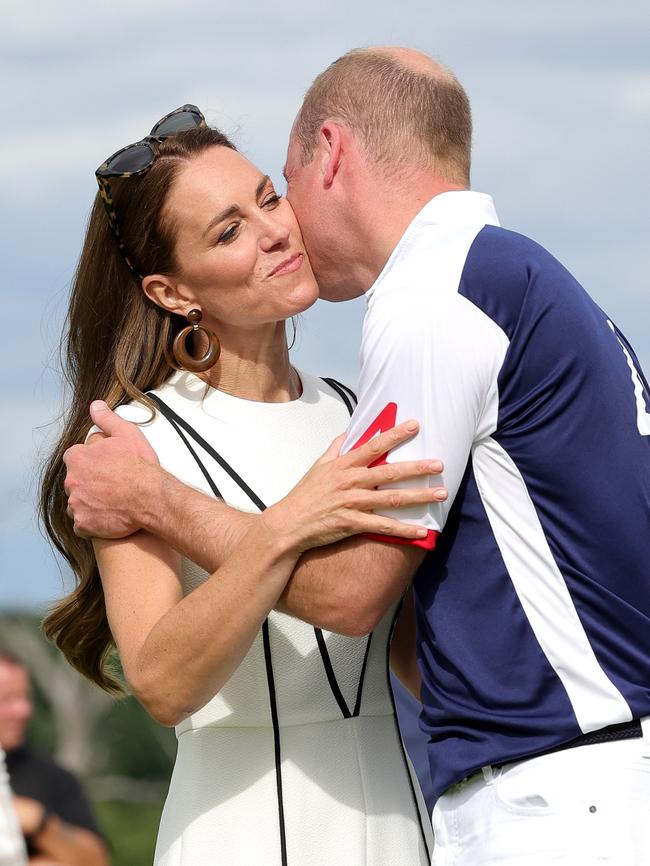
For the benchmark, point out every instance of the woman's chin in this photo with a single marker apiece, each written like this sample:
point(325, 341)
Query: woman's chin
point(304, 298)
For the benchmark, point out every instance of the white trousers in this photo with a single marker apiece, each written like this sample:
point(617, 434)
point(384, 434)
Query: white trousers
point(585, 806)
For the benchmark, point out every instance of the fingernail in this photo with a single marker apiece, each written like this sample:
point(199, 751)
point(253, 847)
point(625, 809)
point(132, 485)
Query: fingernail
point(435, 466)
point(411, 426)
point(422, 533)
point(441, 494)
point(97, 404)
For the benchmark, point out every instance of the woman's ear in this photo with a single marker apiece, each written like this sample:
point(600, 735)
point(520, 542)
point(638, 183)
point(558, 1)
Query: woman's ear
point(165, 292)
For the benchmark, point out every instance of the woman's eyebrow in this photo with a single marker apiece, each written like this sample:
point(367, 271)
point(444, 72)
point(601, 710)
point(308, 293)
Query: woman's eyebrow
point(230, 211)
point(220, 217)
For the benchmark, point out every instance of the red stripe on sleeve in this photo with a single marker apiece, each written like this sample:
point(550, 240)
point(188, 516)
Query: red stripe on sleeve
point(428, 543)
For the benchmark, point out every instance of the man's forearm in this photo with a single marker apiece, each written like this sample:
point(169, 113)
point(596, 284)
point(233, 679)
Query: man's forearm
point(198, 526)
point(344, 587)
point(347, 587)
point(115, 487)
point(74, 846)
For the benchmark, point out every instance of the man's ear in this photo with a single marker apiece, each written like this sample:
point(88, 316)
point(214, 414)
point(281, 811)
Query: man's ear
point(166, 293)
point(331, 151)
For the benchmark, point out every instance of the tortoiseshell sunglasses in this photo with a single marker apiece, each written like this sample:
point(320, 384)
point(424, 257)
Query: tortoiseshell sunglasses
point(136, 159)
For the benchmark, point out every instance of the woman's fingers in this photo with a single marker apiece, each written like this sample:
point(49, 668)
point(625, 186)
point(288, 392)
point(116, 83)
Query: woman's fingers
point(374, 500)
point(392, 473)
point(380, 445)
point(378, 525)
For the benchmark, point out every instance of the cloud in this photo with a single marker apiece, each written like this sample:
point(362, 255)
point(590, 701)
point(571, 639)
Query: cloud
point(635, 97)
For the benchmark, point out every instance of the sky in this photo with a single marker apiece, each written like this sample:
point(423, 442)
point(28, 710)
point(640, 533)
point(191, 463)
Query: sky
point(561, 104)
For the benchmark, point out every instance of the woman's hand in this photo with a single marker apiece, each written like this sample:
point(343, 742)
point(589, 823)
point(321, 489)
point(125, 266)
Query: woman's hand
point(339, 494)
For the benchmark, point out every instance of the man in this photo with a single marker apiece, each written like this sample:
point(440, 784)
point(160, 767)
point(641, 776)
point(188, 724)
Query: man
point(533, 605)
point(54, 815)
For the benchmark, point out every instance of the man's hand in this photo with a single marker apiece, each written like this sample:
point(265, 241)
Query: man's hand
point(30, 814)
point(111, 480)
point(57, 842)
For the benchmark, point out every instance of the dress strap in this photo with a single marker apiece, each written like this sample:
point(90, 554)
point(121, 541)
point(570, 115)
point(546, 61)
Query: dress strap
point(177, 421)
point(350, 399)
point(346, 394)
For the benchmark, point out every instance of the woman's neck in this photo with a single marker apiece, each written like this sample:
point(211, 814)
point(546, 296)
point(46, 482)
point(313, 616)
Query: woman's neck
point(255, 367)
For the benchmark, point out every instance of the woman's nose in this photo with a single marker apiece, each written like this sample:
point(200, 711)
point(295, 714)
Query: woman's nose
point(274, 233)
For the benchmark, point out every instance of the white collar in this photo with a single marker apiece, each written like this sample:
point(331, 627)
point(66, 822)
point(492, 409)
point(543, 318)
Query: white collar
point(455, 208)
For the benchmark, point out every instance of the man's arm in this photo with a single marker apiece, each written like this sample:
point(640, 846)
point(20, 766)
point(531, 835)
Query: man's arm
point(125, 489)
point(347, 587)
point(118, 488)
point(207, 531)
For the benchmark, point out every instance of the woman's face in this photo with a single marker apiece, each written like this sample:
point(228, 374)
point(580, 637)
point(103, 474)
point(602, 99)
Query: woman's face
point(239, 249)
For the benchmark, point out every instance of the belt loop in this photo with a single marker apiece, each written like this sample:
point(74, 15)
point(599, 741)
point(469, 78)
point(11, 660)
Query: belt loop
point(645, 729)
point(488, 773)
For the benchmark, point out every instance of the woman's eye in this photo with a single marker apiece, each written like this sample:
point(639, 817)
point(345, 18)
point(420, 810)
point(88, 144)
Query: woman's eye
point(271, 200)
point(229, 233)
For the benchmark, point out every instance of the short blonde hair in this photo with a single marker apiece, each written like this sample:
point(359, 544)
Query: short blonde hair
point(401, 116)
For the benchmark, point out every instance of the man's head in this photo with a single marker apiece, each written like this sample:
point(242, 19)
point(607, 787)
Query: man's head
point(379, 133)
point(15, 701)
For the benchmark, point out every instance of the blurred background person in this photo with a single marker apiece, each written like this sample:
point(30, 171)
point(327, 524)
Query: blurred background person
point(54, 814)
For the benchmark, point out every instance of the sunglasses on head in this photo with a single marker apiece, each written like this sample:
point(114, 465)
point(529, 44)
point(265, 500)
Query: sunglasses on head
point(136, 159)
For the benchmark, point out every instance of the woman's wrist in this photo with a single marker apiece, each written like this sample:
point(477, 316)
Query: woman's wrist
point(281, 532)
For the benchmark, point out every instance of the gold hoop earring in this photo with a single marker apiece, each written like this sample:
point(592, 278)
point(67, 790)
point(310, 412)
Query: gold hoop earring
point(183, 357)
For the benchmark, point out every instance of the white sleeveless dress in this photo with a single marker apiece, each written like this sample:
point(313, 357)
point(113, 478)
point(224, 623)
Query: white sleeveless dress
point(298, 760)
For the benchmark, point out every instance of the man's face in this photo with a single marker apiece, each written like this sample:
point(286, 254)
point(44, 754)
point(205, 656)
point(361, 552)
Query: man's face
point(302, 192)
point(322, 214)
point(15, 705)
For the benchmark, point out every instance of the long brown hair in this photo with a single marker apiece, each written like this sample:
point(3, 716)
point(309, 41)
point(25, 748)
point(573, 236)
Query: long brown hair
point(116, 345)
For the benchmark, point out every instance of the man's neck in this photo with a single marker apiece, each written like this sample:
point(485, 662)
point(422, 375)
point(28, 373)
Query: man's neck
point(400, 205)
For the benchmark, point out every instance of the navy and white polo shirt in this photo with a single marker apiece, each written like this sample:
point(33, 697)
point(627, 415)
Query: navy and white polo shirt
point(534, 603)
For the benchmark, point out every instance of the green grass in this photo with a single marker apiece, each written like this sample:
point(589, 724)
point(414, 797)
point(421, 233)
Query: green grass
point(131, 830)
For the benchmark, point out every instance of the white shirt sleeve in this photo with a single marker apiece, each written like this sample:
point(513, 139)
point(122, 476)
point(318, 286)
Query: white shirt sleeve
point(12, 848)
point(435, 359)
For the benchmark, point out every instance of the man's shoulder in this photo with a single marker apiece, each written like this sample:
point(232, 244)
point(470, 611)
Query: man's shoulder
point(505, 271)
point(33, 773)
point(502, 252)
point(40, 762)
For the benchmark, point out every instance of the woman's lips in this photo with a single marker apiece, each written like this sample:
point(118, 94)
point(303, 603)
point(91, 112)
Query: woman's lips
point(288, 266)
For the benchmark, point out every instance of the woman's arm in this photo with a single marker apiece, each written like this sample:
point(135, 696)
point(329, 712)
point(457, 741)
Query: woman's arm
point(177, 652)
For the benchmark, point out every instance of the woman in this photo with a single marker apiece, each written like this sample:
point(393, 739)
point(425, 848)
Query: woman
point(288, 749)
